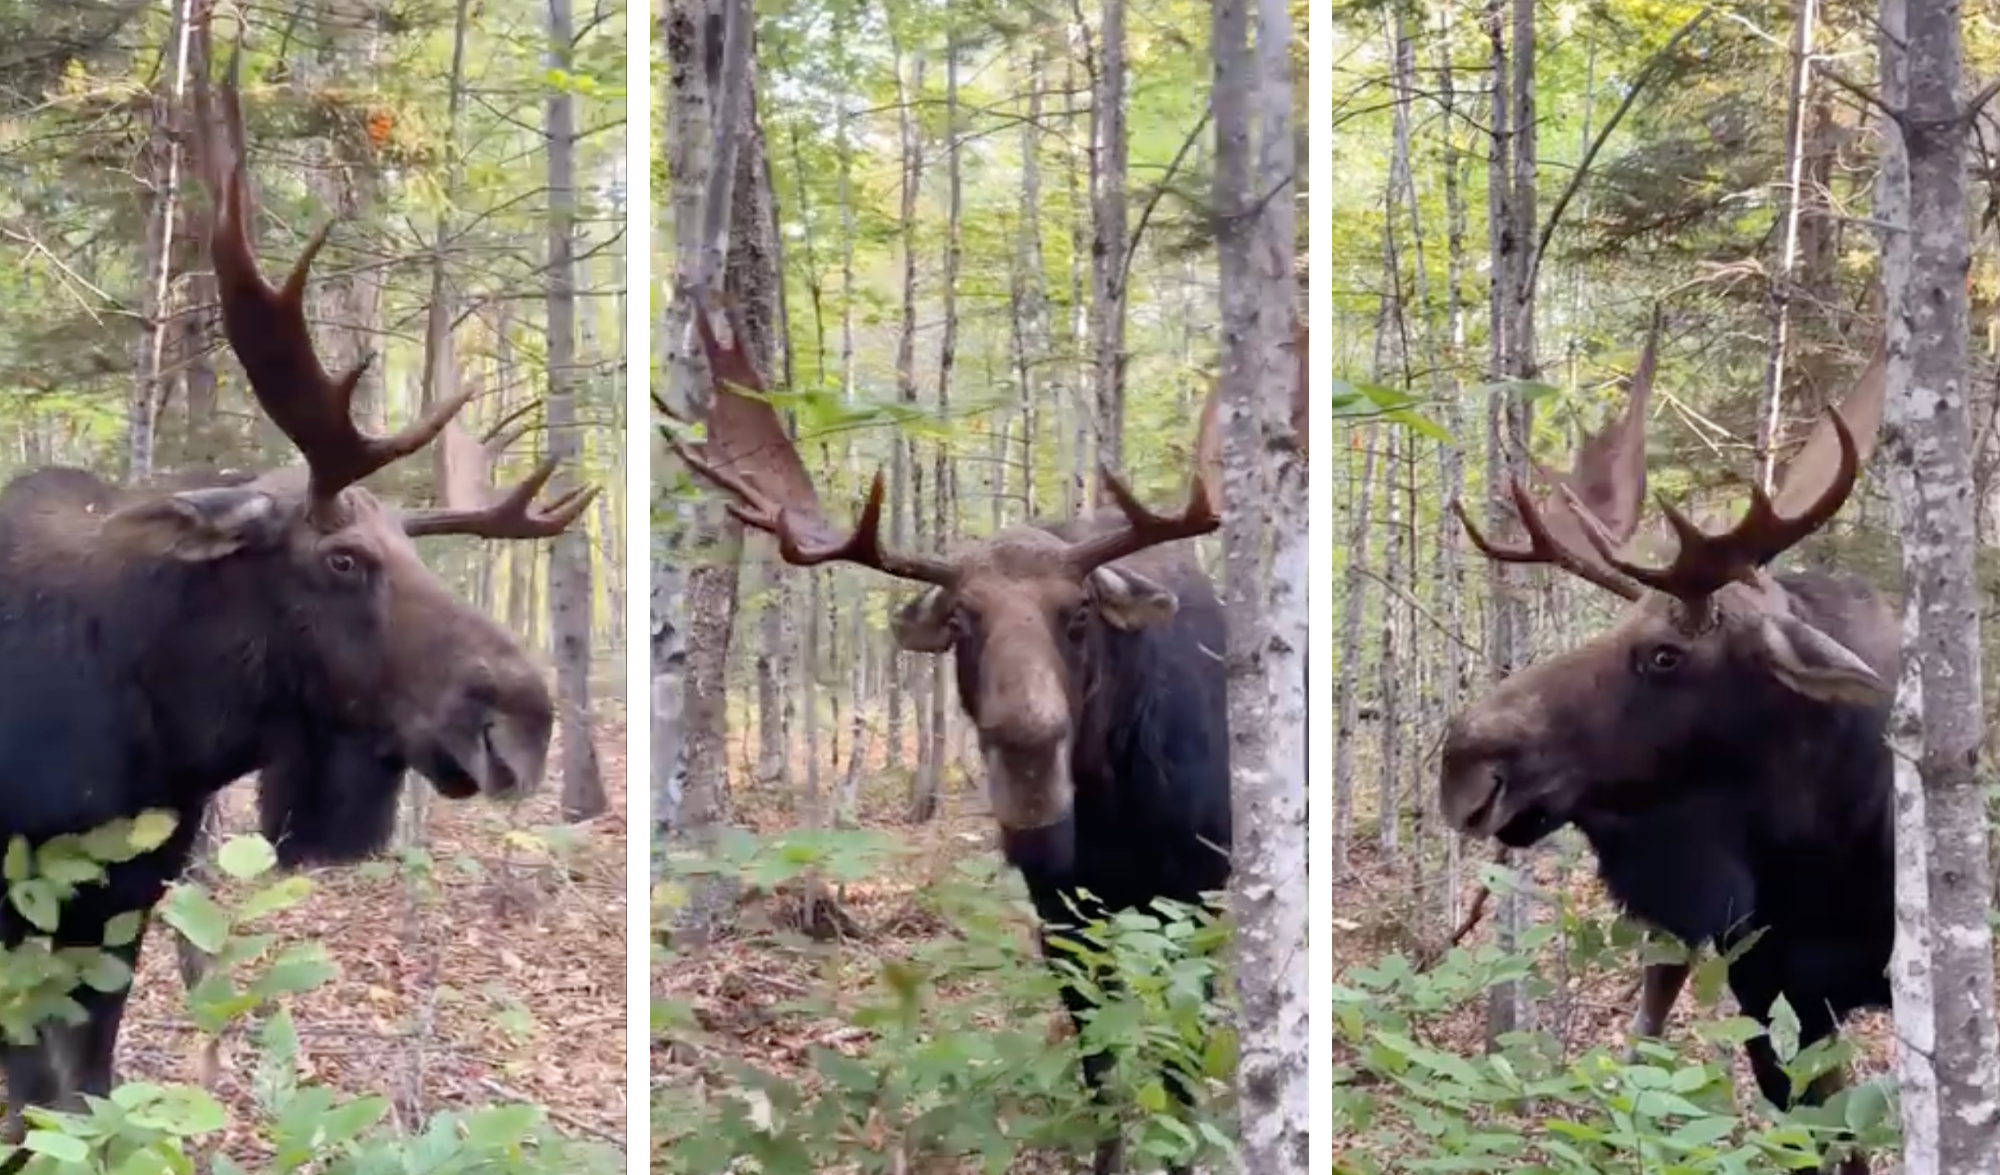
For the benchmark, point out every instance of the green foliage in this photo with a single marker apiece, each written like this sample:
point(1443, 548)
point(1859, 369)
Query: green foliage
point(145, 1128)
point(948, 1052)
point(1404, 1100)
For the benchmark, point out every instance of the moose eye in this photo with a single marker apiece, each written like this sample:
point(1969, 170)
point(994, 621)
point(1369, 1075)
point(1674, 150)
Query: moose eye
point(342, 563)
point(1662, 659)
point(1077, 622)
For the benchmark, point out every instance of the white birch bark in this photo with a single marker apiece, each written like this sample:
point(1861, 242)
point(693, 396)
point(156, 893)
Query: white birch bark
point(1910, 961)
point(1267, 606)
point(1930, 445)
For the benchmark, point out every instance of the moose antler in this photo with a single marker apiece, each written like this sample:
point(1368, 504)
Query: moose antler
point(267, 329)
point(1816, 484)
point(471, 507)
point(1600, 495)
point(1599, 502)
point(748, 455)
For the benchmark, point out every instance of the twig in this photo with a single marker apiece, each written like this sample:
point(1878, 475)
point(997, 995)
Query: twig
point(1589, 155)
point(1472, 919)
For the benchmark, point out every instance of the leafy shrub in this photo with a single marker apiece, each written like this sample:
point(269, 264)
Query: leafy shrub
point(1402, 1101)
point(144, 1128)
point(953, 1053)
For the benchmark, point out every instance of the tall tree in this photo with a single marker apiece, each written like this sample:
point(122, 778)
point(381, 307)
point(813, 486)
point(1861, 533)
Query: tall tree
point(1938, 718)
point(569, 565)
point(1266, 557)
point(1110, 160)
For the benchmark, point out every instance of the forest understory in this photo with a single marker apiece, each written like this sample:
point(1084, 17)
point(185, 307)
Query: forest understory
point(485, 967)
point(744, 987)
point(1382, 912)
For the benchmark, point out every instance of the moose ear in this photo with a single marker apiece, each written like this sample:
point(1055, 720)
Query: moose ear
point(924, 624)
point(1815, 665)
point(1129, 600)
point(197, 525)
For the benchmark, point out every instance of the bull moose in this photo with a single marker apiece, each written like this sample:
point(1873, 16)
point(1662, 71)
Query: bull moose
point(162, 642)
point(1722, 746)
point(1089, 659)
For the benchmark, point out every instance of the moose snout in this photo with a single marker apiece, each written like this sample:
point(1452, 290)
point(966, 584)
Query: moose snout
point(1471, 781)
point(492, 733)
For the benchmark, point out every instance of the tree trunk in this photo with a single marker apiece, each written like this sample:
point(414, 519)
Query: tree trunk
point(162, 167)
point(1507, 430)
point(901, 473)
point(1265, 497)
point(1035, 342)
point(694, 611)
point(1929, 446)
point(1354, 603)
point(942, 498)
point(1107, 246)
point(569, 558)
point(770, 692)
point(1451, 469)
point(1778, 297)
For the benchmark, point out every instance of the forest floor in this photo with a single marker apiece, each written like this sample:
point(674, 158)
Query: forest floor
point(1378, 913)
point(736, 984)
point(499, 977)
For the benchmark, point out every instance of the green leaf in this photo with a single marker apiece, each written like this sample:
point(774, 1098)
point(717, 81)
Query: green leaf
point(37, 902)
point(243, 857)
point(300, 967)
point(107, 973)
point(151, 829)
point(183, 1111)
point(279, 895)
point(20, 860)
point(123, 929)
point(1867, 1106)
point(500, 1127)
point(60, 1147)
point(192, 912)
point(345, 1122)
point(1703, 1132)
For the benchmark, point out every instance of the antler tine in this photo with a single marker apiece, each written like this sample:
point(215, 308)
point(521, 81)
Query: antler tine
point(748, 456)
point(266, 327)
point(1705, 563)
point(1544, 546)
point(1142, 528)
point(471, 506)
point(514, 516)
point(1599, 496)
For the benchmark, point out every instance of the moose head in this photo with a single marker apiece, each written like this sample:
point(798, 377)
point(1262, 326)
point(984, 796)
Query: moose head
point(1026, 610)
point(362, 661)
point(1714, 667)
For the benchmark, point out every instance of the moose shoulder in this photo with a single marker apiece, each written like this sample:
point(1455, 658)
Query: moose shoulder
point(164, 641)
point(1722, 746)
point(1089, 660)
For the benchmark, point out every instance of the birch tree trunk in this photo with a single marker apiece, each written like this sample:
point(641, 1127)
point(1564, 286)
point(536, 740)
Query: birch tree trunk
point(1450, 459)
point(1265, 508)
point(1929, 444)
point(1910, 960)
point(163, 164)
point(1778, 299)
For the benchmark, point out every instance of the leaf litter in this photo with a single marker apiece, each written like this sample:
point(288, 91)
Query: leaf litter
point(497, 978)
